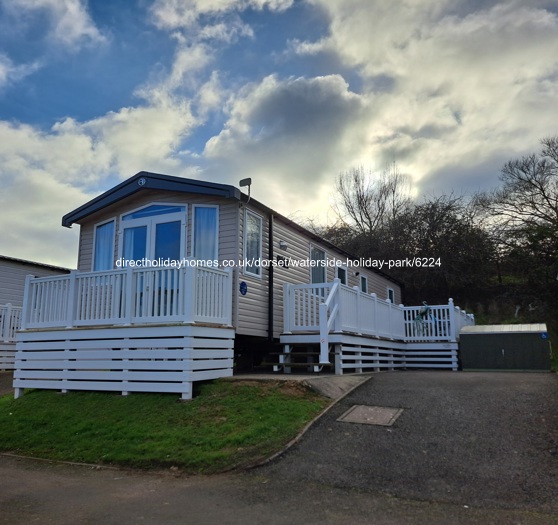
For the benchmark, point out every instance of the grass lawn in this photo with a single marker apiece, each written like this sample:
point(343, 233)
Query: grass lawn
point(228, 423)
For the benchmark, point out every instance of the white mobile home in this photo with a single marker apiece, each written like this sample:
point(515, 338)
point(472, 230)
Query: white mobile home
point(174, 274)
point(13, 272)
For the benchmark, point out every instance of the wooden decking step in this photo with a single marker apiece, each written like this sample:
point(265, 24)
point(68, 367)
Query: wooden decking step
point(301, 354)
point(301, 365)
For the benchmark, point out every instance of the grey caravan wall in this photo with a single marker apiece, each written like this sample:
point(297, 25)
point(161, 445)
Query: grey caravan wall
point(12, 277)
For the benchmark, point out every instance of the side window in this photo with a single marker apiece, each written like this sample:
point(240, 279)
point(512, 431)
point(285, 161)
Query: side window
point(391, 295)
point(205, 232)
point(342, 274)
point(103, 246)
point(318, 268)
point(364, 284)
point(252, 244)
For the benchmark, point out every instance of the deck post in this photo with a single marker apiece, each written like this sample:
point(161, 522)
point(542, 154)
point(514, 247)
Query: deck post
point(26, 310)
point(287, 308)
point(337, 324)
point(228, 296)
point(7, 324)
point(324, 333)
point(187, 391)
point(375, 297)
point(129, 296)
point(358, 309)
point(72, 295)
point(452, 334)
point(190, 293)
point(338, 349)
point(390, 320)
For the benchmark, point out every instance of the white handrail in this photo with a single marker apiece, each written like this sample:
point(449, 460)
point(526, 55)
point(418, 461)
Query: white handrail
point(10, 322)
point(351, 310)
point(129, 296)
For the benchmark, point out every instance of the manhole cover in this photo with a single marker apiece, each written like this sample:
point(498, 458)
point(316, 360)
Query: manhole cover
point(371, 415)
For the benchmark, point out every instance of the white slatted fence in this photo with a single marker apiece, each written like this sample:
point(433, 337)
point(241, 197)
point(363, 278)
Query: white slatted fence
point(133, 359)
point(10, 323)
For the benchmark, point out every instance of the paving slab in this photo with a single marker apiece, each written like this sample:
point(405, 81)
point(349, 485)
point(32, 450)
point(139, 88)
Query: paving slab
point(336, 387)
point(331, 386)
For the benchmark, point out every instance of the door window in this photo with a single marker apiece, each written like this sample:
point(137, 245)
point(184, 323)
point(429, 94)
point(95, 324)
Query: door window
point(135, 243)
point(153, 232)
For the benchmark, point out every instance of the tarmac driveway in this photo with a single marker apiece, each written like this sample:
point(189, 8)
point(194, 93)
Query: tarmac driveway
point(481, 439)
point(468, 448)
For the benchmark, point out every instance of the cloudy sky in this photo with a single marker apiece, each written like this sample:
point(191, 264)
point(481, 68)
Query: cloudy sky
point(288, 92)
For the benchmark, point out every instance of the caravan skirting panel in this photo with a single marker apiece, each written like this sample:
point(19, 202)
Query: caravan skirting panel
point(123, 359)
point(7, 356)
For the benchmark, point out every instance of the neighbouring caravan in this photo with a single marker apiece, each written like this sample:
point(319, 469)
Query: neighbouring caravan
point(13, 272)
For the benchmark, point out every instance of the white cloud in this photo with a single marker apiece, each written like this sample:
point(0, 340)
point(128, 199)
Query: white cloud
point(71, 24)
point(10, 73)
point(173, 14)
point(289, 136)
point(210, 95)
point(47, 174)
point(463, 84)
point(194, 21)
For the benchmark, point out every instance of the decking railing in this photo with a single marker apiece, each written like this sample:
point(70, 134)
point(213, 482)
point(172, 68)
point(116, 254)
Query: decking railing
point(10, 322)
point(435, 323)
point(334, 307)
point(129, 296)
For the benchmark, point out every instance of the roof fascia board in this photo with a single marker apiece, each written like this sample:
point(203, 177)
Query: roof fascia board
point(153, 181)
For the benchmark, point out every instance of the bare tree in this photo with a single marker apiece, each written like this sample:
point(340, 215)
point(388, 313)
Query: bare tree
point(529, 195)
point(523, 217)
point(367, 202)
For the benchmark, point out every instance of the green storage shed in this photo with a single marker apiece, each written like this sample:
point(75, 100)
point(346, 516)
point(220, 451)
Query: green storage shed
point(505, 347)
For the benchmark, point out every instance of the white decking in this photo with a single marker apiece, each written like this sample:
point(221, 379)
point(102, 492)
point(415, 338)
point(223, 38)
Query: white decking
point(140, 330)
point(364, 332)
point(10, 322)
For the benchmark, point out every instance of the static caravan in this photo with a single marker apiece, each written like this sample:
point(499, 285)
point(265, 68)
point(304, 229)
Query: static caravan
point(13, 272)
point(176, 274)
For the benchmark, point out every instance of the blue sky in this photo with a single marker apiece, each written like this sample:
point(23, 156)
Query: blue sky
point(287, 92)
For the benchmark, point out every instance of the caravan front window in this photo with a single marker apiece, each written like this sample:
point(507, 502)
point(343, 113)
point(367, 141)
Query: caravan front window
point(205, 232)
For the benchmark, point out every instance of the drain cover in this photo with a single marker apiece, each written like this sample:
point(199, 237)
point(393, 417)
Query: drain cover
point(367, 415)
